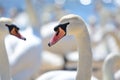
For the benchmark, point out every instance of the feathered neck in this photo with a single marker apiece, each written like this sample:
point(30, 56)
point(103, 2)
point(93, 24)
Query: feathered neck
point(4, 63)
point(85, 55)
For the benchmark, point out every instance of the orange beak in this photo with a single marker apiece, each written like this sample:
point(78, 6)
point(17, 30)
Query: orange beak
point(15, 32)
point(58, 35)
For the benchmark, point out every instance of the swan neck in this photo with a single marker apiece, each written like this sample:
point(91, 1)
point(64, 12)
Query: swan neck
point(4, 63)
point(84, 66)
point(108, 66)
point(32, 14)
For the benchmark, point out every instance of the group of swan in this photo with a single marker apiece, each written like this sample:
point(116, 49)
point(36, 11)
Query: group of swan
point(70, 24)
point(25, 58)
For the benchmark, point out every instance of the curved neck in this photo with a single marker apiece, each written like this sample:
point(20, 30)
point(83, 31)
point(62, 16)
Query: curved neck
point(108, 66)
point(84, 66)
point(32, 14)
point(4, 64)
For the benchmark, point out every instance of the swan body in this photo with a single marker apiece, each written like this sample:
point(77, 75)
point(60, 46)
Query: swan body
point(74, 25)
point(60, 75)
point(13, 30)
point(51, 58)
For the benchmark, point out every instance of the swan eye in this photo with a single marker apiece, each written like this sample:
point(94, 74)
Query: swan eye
point(62, 26)
point(17, 28)
point(14, 26)
point(14, 31)
point(56, 29)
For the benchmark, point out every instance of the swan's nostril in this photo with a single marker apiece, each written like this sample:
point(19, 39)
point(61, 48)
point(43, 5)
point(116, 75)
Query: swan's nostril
point(49, 44)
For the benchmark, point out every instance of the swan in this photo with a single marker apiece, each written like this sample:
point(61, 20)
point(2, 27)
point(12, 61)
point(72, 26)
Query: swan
point(111, 59)
point(73, 25)
point(25, 57)
point(108, 65)
point(13, 30)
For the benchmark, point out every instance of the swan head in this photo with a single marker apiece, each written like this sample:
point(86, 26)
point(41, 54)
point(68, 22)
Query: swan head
point(70, 24)
point(12, 29)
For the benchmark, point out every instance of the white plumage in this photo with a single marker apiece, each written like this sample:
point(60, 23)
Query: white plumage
point(77, 27)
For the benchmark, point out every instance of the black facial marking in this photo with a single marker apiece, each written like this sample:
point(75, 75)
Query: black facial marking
point(63, 26)
point(10, 27)
point(56, 28)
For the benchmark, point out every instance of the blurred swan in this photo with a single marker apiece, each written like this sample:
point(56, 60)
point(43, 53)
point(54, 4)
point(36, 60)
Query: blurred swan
point(73, 25)
point(13, 30)
point(111, 58)
point(25, 58)
point(108, 67)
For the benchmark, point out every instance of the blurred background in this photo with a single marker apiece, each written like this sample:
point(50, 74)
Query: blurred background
point(37, 18)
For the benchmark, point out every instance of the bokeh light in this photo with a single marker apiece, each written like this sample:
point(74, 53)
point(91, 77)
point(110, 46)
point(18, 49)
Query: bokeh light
point(85, 2)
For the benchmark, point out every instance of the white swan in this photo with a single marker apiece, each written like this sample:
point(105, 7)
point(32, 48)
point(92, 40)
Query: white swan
point(13, 30)
point(25, 57)
point(108, 67)
point(73, 25)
